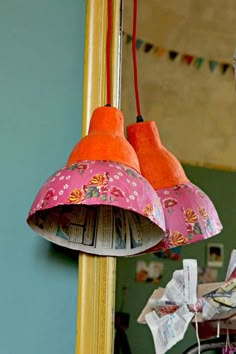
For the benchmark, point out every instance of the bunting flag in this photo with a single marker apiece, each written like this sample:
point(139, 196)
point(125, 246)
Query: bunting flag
point(186, 58)
point(139, 43)
point(128, 38)
point(198, 62)
point(159, 51)
point(173, 54)
point(212, 64)
point(224, 67)
point(147, 47)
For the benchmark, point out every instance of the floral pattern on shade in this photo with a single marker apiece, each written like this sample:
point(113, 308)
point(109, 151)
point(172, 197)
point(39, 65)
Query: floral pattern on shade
point(203, 213)
point(190, 216)
point(169, 202)
point(80, 167)
point(100, 183)
point(148, 210)
point(99, 179)
point(76, 196)
point(176, 239)
point(50, 193)
point(97, 187)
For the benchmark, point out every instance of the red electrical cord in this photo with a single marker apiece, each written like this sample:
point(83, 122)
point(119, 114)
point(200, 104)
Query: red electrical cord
point(108, 54)
point(139, 116)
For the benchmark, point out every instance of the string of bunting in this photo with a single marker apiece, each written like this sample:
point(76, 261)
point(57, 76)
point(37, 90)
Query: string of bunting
point(188, 59)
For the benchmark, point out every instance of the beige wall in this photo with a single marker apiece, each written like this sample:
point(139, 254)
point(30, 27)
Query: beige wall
point(190, 26)
point(194, 108)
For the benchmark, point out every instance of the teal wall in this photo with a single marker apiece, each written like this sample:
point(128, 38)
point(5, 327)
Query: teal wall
point(41, 67)
point(220, 186)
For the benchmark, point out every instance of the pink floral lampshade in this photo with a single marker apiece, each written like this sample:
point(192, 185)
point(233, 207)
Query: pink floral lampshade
point(100, 204)
point(190, 216)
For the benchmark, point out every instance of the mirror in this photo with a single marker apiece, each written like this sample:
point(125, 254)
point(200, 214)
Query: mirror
point(186, 84)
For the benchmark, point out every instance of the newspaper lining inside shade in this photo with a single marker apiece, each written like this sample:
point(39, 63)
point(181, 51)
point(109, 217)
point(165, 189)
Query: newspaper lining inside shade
point(96, 229)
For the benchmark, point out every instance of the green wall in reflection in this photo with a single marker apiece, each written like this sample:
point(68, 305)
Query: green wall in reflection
point(220, 187)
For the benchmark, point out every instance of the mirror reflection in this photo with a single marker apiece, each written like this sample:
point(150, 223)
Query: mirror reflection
point(186, 85)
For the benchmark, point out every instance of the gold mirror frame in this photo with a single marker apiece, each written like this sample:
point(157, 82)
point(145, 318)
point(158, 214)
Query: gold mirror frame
point(96, 274)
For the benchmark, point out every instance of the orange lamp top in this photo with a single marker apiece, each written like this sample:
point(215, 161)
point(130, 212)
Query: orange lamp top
point(159, 166)
point(105, 140)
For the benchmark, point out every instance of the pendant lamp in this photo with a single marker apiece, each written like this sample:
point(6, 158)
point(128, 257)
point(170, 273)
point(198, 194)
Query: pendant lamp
point(190, 216)
point(99, 202)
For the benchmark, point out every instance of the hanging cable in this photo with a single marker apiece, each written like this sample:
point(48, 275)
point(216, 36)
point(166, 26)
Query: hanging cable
point(108, 52)
point(139, 116)
point(197, 333)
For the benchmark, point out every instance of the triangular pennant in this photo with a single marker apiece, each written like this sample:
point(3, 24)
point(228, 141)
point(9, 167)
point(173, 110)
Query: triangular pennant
point(138, 43)
point(128, 38)
point(224, 67)
point(173, 54)
point(212, 64)
point(187, 59)
point(148, 47)
point(198, 62)
point(159, 51)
